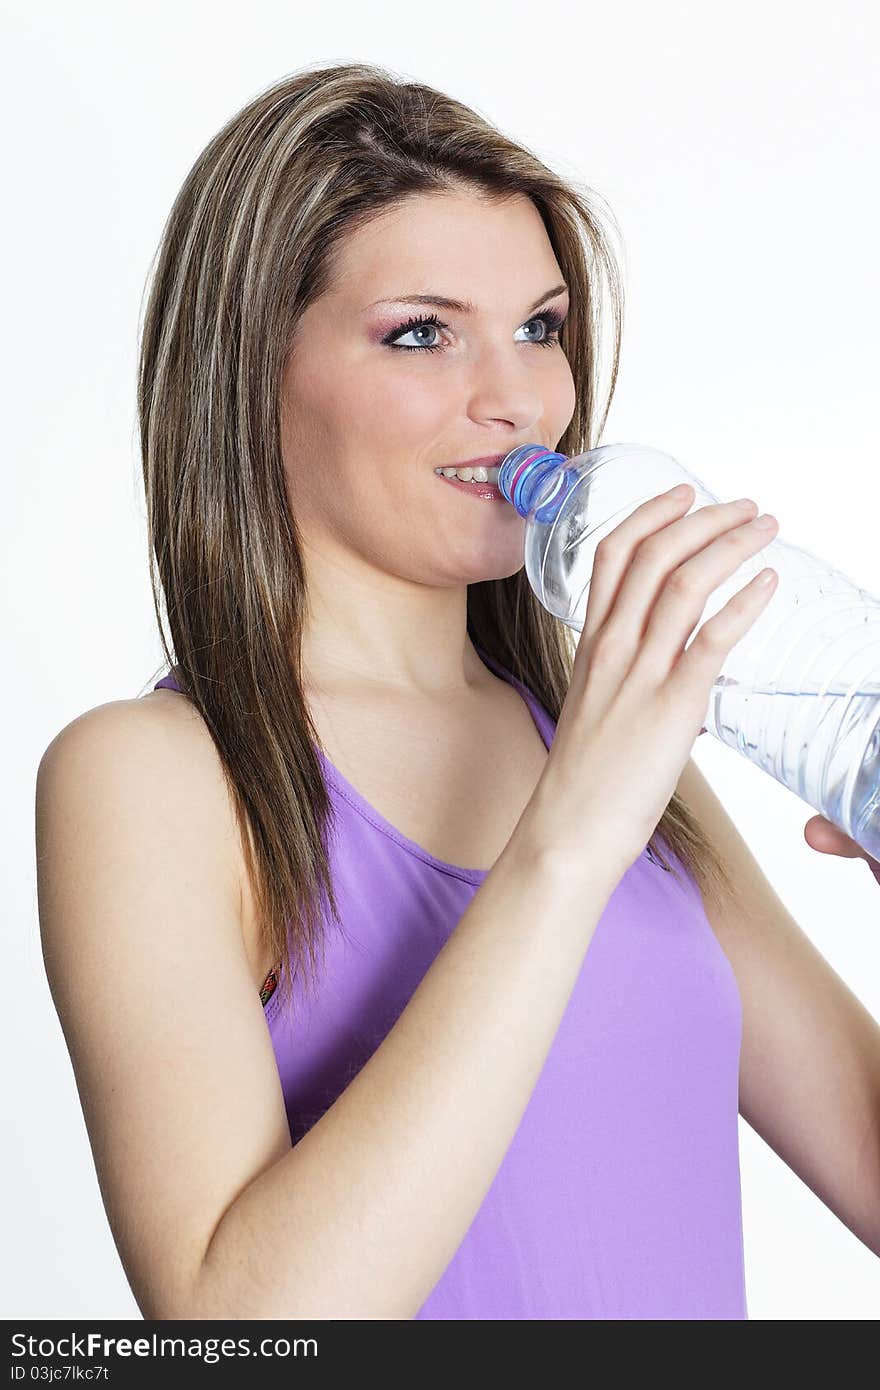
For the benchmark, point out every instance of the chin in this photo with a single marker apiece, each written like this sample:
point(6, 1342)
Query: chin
point(500, 571)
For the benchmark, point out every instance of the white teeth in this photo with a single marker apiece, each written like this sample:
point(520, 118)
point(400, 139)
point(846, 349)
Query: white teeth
point(476, 475)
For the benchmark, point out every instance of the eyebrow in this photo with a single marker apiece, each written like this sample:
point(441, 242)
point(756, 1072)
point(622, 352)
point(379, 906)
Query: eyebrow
point(458, 305)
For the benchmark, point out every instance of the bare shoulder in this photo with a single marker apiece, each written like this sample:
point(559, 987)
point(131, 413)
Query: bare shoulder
point(160, 747)
point(163, 718)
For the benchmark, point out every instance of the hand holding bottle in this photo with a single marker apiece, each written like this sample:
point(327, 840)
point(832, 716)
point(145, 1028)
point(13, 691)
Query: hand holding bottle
point(637, 698)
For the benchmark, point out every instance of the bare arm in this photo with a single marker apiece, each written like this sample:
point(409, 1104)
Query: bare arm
point(363, 1215)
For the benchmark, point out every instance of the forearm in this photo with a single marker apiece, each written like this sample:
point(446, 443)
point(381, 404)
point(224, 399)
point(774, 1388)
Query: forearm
point(360, 1219)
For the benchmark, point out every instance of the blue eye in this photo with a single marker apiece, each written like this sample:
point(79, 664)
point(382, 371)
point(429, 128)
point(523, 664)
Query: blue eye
point(552, 320)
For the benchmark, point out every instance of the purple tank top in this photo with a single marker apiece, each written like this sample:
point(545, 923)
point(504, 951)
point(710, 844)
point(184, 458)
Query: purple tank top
point(619, 1195)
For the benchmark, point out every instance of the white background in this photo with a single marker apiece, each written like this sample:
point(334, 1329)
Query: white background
point(737, 147)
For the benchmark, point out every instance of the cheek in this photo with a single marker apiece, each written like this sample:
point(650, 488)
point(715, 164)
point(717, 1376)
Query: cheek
point(403, 405)
point(564, 396)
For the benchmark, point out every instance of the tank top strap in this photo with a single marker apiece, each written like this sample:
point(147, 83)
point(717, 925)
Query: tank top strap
point(168, 682)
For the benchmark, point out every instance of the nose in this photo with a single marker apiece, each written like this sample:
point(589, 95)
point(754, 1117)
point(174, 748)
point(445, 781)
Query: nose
point(504, 388)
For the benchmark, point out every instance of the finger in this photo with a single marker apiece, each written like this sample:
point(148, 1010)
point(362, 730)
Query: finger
point(697, 668)
point(652, 565)
point(614, 552)
point(827, 838)
point(683, 597)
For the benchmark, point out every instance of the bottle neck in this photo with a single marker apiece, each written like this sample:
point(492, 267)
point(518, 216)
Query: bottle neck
point(521, 477)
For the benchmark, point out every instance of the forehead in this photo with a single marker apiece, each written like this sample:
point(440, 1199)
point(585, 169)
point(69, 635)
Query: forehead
point(461, 245)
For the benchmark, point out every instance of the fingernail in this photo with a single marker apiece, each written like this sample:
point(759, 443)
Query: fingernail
point(745, 502)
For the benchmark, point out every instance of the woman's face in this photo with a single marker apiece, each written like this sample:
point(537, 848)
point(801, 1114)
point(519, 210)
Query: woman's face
point(366, 421)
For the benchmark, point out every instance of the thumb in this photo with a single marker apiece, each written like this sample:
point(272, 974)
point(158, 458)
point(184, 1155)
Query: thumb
point(821, 835)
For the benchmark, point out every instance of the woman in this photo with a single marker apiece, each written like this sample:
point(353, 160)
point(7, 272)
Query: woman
point(378, 930)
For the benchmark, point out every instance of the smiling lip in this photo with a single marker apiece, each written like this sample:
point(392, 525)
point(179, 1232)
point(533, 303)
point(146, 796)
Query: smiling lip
point(486, 492)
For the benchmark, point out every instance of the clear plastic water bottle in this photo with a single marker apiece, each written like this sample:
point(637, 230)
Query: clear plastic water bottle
point(798, 695)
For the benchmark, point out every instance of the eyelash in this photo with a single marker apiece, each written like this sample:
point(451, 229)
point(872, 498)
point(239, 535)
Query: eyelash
point(551, 318)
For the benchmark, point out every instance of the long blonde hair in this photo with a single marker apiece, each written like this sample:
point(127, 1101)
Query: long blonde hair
point(247, 246)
